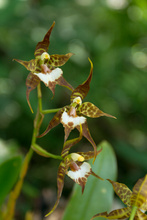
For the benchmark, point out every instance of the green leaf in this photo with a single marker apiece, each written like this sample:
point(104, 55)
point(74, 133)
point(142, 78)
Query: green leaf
point(7, 149)
point(10, 163)
point(98, 194)
point(9, 171)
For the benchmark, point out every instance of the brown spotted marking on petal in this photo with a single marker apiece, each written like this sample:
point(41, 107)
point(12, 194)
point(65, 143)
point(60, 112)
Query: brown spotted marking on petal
point(139, 195)
point(29, 65)
point(144, 206)
point(140, 215)
point(54, 122)
point(82, 181)
point(62, 82)
point(67, 130)
point(63, 167)
point(51, 86)
point(116, 214)
point(122, 191)
point(42, 46)
point(68, 144)
point(87, 135)
point(31, 83)
point(90, 110)
point(89, 155)
point(83, 89)
point(70, 124)
point(59, 60)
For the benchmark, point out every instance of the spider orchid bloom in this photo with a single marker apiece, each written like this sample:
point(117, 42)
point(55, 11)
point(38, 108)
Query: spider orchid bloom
point(133, 199)
point(73, 115)
point(43, 67)
point(73, 165)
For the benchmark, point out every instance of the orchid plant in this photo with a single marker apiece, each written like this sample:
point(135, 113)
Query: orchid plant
point(45, 68)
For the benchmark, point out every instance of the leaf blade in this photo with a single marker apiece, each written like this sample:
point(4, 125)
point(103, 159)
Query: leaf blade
point(9, 171)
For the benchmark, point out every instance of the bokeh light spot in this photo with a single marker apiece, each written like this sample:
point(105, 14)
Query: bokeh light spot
point(117, 4)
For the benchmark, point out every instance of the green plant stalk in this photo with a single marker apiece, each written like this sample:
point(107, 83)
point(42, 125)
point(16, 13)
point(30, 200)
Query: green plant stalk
point(48, 111)
point(39, 150)
point(133, 212)
point(14, 194)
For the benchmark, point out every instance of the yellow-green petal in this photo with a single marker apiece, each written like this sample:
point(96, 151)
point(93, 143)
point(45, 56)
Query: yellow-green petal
point(90, 110)
point(122, 191)
point(116, 214)
point(139, 194)
point(58, 60)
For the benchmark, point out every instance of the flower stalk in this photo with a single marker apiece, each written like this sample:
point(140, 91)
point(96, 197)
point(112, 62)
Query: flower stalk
point(14, 194)
point(133, 213)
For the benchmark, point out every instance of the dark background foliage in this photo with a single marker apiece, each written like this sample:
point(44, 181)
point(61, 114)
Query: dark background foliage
point(114, 35)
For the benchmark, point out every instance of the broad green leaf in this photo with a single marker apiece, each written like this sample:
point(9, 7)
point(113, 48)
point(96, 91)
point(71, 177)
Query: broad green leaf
point(98, 194)
point(8, 149)
point(9, 171)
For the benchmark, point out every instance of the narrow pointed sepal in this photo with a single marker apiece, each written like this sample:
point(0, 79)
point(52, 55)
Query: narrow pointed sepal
point(29, 65)
point(60, 183)
point(97, 176)
point(58, 60)
point(82, 90)
point(42, 46)
point(87, 135)
point(139, 194)
point(122, 191)
point(53, 123)
point(90, 110)
point(116, 214)
point(69, 143)
point(31, 83)
point(62, 82)
point(89, 155)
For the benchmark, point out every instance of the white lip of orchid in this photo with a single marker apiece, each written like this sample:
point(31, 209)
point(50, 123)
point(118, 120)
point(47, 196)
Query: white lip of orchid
point(77, 157)
point(82, 172)
point(66, 119)
point(77, 100)
point(45, 55)
point(50, 77)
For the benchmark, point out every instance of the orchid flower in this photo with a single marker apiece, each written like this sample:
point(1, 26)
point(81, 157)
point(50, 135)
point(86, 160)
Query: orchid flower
point(74, 166)
point(73, 115)
point(43, 67)
point(135, 200)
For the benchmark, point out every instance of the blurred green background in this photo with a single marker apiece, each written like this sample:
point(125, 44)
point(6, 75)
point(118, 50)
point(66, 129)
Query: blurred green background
point(113, 33)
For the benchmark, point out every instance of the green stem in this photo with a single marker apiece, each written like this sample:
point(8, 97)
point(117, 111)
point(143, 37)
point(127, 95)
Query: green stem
point(44, 153)
point(48, 111)
point(8, 215)
point(133, 212)
point(14, 194)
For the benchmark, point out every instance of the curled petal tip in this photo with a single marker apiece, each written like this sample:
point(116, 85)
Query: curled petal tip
point(90, 62)
point(93, 160)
